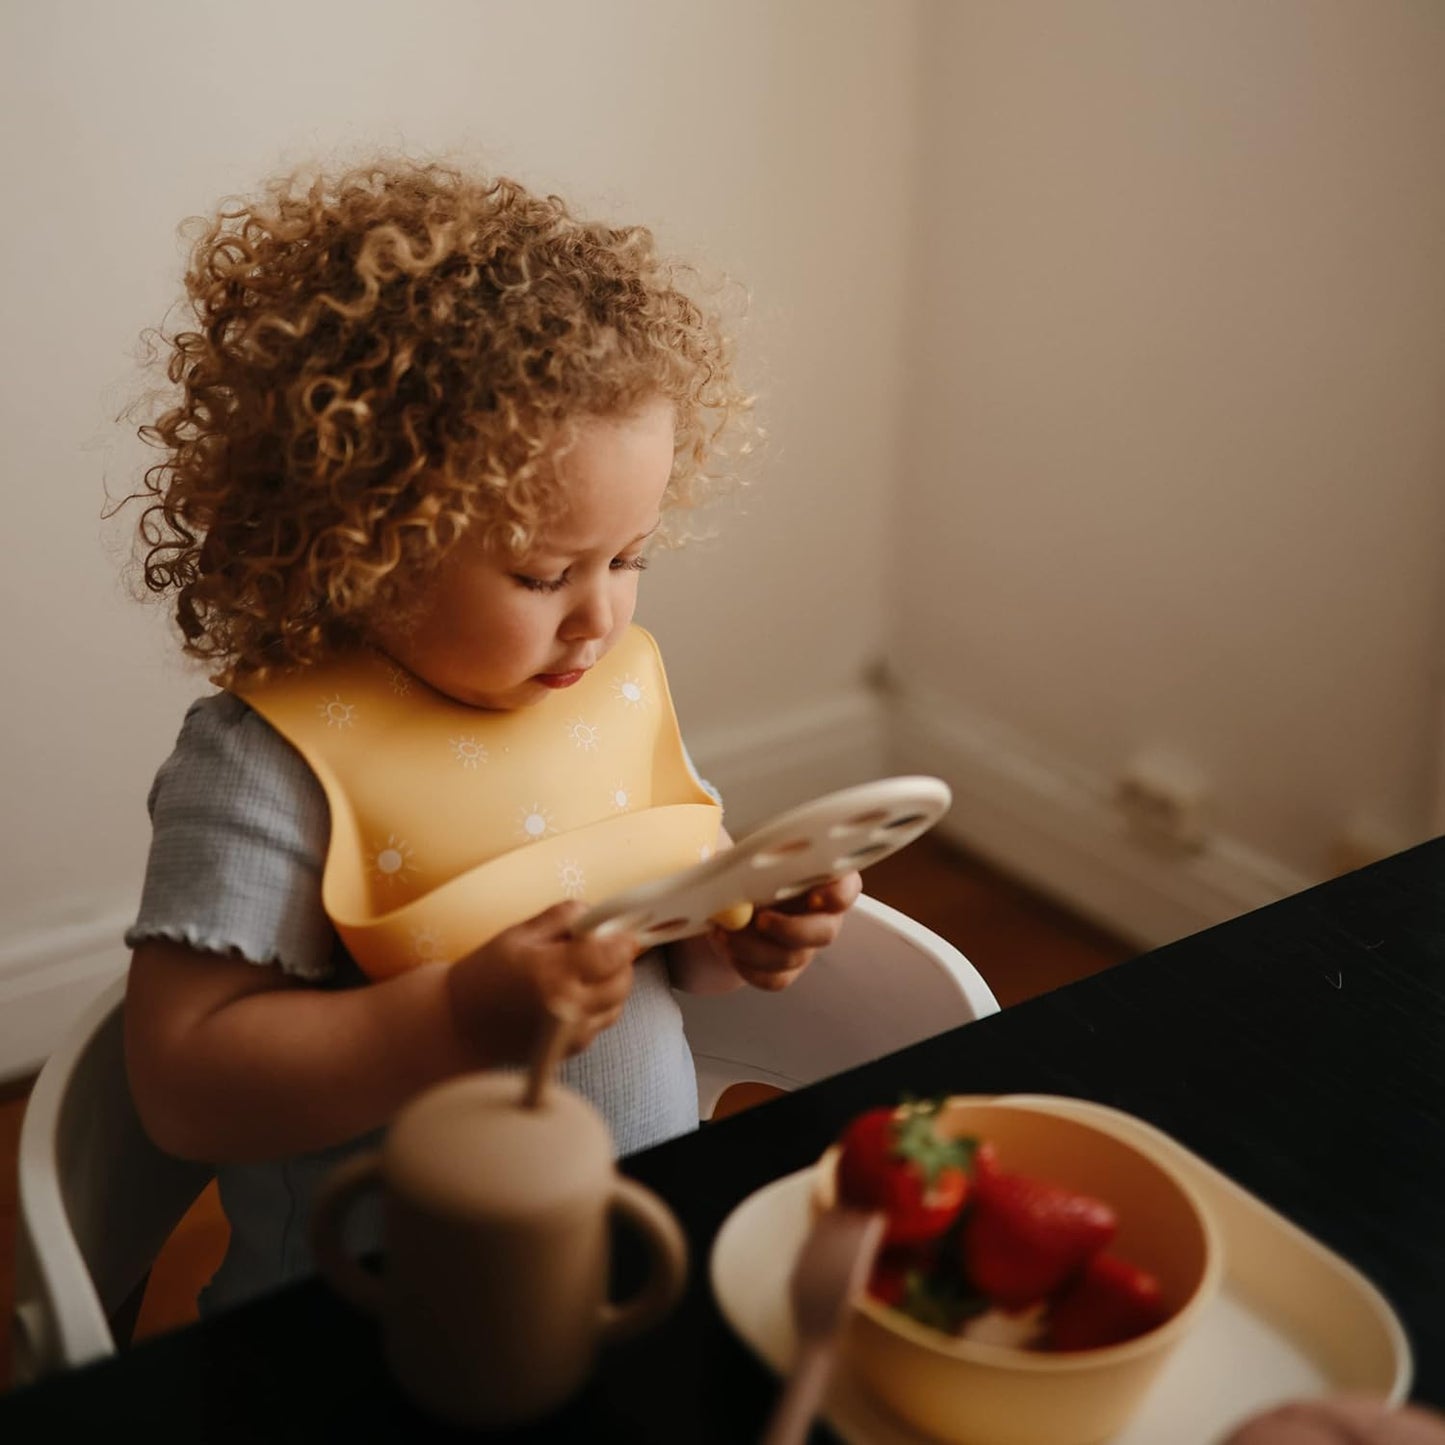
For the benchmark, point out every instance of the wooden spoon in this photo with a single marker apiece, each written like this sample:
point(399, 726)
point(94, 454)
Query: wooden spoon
point(831, 1268)
point(550, 1047)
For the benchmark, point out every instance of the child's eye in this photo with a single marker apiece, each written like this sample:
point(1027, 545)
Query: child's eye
point(539, 584)
point(630, 564)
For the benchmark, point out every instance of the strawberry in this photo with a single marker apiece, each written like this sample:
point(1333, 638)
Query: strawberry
point(1025, 1238)
point(888, 1280)
point(1111, 1301)
point(896, 1161)
point(985, 1159)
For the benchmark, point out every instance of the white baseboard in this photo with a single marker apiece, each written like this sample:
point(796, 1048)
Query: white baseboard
point(1046, 822)
point(47, 979)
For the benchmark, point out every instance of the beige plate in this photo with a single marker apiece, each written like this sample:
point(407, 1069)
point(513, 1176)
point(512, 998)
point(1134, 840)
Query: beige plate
point(1292, 1319)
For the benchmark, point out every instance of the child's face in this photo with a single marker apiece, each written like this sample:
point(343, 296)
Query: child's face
point(495, 631)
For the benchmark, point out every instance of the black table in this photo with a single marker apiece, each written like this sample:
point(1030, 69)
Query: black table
point(1300, 1049)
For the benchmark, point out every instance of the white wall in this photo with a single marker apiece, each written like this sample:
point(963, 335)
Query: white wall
point(744, 132)
point(1176, 478)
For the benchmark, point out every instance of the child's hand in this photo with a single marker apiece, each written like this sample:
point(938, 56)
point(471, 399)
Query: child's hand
point(504, 993)
point(779, 943)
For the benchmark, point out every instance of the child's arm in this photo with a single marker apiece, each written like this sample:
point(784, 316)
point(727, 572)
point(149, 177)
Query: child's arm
point(772, 951)
point(231, 1062)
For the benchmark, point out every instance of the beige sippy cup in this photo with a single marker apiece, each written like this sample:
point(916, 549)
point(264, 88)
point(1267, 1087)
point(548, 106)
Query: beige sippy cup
point(498, 1239)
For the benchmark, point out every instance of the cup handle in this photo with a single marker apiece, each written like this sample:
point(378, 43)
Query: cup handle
point(667, 1264)
point(339, 1191)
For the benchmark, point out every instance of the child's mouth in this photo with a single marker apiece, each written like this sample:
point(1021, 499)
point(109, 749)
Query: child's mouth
point(561, 679)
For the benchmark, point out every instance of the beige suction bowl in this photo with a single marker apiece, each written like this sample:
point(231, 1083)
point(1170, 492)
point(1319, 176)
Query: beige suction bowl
point(969, 1393)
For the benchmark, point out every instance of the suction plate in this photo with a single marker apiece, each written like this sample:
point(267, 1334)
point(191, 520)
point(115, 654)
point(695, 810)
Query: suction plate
point(799, 850)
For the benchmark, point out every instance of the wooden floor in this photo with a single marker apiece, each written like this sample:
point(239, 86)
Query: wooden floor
point(1021, 943)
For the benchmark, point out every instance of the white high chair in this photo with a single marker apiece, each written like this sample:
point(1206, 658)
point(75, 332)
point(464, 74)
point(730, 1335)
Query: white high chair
point(96, 1201)
point(888, 981)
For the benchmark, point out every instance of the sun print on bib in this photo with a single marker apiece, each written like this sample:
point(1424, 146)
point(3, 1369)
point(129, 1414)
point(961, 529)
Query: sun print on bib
point(338, 714)
point(584, 735)
point(535, 822)
point(391, 863)
point(627, 689)
point(468, 752)
point(428, 946)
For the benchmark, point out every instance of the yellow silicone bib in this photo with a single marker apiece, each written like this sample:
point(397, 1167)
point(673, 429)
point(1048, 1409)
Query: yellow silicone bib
point(451, 823)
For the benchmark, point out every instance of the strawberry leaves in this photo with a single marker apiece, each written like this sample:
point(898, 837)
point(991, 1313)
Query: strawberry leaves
point(916, 1138)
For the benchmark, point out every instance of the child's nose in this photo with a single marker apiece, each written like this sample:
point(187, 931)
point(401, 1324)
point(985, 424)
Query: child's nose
point(590, 618)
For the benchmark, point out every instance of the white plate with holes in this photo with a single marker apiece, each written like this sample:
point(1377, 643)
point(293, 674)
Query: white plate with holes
point(798, 850)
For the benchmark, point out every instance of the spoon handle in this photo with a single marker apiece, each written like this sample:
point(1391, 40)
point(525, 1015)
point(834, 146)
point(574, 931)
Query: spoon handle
point(831, 1268)
point(551, 1045)
point(792, 1416)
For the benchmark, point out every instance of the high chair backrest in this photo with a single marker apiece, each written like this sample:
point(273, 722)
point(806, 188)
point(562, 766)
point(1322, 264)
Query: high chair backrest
point(888, 981)
point(96, 1199)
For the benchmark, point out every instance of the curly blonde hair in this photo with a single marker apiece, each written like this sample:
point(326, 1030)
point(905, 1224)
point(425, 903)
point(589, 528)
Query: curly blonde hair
point(382, 362)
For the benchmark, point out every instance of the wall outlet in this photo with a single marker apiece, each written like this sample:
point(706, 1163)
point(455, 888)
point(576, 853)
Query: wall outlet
point(1162, 799)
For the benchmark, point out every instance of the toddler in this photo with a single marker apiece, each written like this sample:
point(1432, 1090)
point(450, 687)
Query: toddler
point(425, 428)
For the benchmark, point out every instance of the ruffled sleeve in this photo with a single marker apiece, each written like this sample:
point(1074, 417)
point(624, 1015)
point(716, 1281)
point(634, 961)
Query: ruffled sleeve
point(240, 831)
